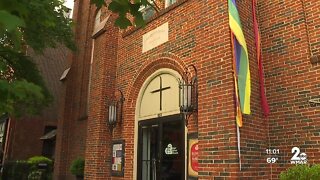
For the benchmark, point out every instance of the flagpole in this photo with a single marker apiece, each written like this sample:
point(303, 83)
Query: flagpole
point(238, 111)
point(241, 70)
point(239, 147)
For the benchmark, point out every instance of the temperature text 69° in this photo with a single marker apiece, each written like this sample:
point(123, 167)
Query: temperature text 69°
point(272, 160)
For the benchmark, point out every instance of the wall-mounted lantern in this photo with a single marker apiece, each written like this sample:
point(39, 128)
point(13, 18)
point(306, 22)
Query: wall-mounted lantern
point(189, 93)
point(115, 108)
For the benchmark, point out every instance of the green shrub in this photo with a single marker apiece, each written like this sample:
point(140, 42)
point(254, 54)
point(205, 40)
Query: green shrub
point(301, 172)
point(77, 167)
point(315, 171)
point(35, 173)
point(15, 170)
point(36, 160)
point(28, 170)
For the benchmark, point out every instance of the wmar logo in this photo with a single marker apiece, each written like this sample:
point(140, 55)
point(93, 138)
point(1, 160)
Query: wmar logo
point(298, 158)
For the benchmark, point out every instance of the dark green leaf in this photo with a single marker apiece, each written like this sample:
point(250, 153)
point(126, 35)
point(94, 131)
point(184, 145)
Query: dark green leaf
point(134, 9)
point(122, 2)
point(139, 21)
point(144, 2)
point(114, 6)
point(98, 3)
point(123, 22)
point(10, 21)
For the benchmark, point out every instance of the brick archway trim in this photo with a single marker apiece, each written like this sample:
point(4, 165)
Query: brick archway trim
point(165, 60)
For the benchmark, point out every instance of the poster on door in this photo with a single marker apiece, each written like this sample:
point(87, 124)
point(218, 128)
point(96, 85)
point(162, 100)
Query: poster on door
point(193, 153)
point(117, 157)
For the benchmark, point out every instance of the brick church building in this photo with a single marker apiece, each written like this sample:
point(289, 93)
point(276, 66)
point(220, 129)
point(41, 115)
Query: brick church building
point(141, 69)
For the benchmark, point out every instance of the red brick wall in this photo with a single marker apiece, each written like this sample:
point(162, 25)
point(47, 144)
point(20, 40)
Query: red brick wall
point(98, 154)
point(291, 80)
point(199, 34)
point(24, 138)
point(194, 38)
point(72, 127)
point(312, 10)
point(189, 43)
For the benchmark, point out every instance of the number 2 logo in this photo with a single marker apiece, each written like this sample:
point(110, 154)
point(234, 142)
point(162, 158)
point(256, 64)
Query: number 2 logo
point(296, 152)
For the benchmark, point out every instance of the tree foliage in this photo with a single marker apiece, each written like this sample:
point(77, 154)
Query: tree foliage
point(301, 172)
point(125, 7)
point(77, 166)
point(37, 24)
point(40, 24)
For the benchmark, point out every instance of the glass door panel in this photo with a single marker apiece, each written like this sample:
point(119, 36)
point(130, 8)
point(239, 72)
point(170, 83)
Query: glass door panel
point(161, 149)
point(172, 165)
point(149, 152)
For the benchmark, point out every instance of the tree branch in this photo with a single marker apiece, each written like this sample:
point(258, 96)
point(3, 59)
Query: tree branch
point(154, 5)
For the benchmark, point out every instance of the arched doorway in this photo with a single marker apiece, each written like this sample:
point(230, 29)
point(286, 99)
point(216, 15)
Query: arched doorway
point(160, 129)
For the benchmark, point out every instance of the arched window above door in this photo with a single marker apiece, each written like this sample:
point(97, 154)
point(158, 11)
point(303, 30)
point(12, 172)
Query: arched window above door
point(159, 96)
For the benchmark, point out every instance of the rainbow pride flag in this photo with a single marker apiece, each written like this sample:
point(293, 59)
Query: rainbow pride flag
point(241, 60)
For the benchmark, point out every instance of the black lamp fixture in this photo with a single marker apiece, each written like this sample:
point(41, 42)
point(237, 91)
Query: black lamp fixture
point(188, 87)
point(115, 110)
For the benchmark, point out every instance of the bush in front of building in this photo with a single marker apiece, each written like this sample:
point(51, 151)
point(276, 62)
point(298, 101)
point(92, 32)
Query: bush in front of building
point(34, 168)
point(15, 170)
point(40, 168)
point(77, 167)
point(301, 172)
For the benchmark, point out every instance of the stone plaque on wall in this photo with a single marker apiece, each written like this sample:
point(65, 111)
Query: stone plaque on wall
point(155, 37)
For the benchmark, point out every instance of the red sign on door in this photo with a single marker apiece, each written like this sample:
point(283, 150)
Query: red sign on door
point(194, 157)
point(193, 165)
